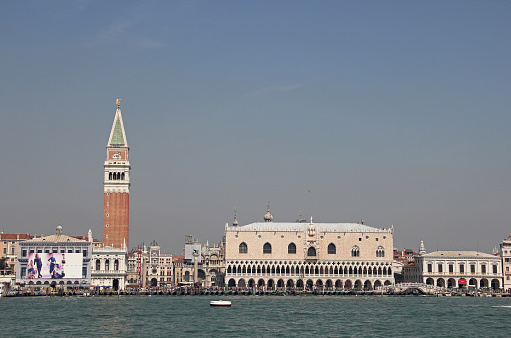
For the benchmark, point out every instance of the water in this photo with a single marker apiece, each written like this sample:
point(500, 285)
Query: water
point(263, 316)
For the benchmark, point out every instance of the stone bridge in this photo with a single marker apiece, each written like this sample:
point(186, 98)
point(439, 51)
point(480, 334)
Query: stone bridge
point(417, 288)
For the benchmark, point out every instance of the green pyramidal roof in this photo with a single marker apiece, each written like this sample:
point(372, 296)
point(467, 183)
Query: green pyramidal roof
point(117, 134)
point(117, 137)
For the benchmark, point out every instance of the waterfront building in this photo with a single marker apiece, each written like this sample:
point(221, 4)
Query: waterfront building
point(109, 267)
point(149, 267)
point(451, 269)
point(210, 263)
point(212, 271)
point(409, 271)
point(9, 249)
point(116, 184)
point(159, 269)
point(133, 273)
point(505, 253)
point(308, 255)
point(54, 260)
point(178, 263)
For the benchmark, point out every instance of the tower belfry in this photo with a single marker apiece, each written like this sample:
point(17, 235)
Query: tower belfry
point(116, 185)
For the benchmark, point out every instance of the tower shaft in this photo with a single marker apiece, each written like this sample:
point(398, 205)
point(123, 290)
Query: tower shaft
point(116, 185)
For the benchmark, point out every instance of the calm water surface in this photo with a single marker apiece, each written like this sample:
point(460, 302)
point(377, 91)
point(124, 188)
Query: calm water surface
point(346, 316)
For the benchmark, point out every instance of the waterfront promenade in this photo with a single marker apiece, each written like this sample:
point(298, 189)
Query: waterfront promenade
point(398, 290)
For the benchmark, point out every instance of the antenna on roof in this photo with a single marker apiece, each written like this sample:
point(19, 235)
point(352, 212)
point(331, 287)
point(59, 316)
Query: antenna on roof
point(300, 218)
point(235, 222)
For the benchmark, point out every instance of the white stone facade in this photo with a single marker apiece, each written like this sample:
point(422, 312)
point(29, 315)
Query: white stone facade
point(55, 245)
point(212, 270)
point(505, 253)
point(308, 255)
point(160, 268)
point(109, 268)
point(448, 268)
point(117, 166)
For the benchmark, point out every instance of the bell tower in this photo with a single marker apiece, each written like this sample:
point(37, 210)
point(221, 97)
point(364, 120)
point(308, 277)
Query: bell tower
point(116, 184)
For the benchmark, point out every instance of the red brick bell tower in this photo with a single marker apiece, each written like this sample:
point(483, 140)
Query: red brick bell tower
point(116, 207)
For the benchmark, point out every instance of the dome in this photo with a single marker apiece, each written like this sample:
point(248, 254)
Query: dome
point(268, 217)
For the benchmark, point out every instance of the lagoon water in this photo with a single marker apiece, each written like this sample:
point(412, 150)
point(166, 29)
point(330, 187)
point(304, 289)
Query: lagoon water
point(262, 316)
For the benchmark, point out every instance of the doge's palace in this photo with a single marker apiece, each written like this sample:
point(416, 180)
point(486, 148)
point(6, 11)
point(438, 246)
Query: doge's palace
point(308, 255)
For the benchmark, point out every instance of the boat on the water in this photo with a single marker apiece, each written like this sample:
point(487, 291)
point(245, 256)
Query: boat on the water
point(220, 303)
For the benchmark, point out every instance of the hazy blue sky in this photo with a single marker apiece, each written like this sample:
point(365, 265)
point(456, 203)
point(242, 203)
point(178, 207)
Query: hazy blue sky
point(395, 112)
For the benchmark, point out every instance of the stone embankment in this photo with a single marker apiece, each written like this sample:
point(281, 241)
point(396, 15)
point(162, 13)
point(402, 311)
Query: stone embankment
point(396, 291)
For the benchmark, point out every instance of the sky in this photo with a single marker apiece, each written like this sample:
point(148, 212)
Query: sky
point(392, 112)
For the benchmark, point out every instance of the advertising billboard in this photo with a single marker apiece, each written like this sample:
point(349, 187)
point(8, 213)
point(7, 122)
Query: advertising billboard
point(54, 265)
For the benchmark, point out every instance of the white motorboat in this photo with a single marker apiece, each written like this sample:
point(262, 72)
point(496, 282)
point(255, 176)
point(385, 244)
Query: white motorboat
point(220, 303)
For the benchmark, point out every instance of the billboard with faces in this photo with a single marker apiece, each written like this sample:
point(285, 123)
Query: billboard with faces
point(54, 265)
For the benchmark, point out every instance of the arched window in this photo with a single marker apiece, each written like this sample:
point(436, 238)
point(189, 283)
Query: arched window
point(116, 265)
point(355, 252)
point(291, 248)
point(110, 176)
point(118, 176)
point(331, 249)
point(380, 252)
point(311, 252)
point(122, 176)
point(98, 264)
point(243, 248)
point(107, 265)
point(267, 248)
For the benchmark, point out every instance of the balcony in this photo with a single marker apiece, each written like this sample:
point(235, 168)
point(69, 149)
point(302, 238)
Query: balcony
point(108, 272)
